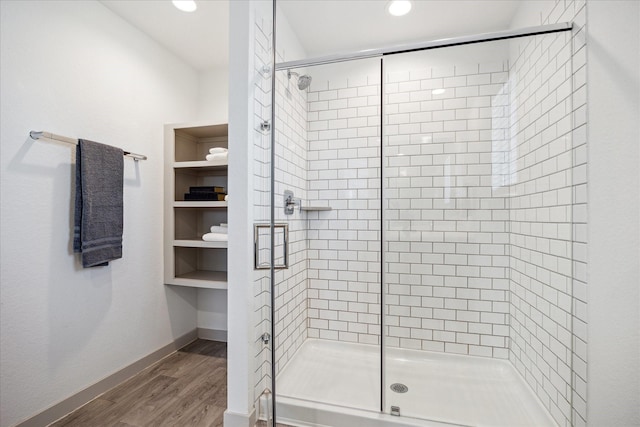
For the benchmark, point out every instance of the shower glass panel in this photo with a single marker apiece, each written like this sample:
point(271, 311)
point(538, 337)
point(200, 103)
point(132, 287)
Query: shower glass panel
point(477, 232)
point(430, 238)
point(327, 153)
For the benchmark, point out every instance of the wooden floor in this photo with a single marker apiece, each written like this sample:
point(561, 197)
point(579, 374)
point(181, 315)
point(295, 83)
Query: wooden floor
point(264, 424)
point(188, 388)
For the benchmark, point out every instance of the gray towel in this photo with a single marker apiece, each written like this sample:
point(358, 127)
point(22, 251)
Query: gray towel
point(97, 233)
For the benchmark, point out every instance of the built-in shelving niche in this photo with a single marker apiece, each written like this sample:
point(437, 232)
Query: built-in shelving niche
point(190, 261)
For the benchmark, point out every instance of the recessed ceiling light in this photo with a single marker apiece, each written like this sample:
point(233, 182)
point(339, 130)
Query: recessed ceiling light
point(185, 5)
point(399, 7)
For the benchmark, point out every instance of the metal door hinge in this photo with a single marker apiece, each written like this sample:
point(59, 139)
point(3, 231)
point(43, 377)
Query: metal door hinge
point(266, 337)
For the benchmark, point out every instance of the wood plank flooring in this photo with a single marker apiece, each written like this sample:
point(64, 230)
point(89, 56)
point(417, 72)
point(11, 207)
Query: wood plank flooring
point(264, 424)
point(187, 388)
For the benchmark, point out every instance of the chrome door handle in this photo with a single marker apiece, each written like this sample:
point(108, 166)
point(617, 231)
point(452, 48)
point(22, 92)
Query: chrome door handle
point(265, 265)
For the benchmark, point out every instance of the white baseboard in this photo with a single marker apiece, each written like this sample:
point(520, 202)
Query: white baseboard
point(234, 419)
point(83, 397)
point(212, 334)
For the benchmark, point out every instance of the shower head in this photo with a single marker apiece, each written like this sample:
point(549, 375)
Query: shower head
point(303, 81)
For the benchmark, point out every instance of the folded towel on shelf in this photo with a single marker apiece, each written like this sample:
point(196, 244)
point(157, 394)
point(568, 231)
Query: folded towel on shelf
point(215, 237)
point(98, 222)
point(226, 198)
point(216, 150)
point(217, 157)
point(219, 229)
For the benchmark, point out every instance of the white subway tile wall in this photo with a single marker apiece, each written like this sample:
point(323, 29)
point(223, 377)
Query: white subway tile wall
point(446, 180)
point(540, 212)
point(290, 170)
point(484, 211)
point(261, 205)
point(290, 174)
point(478, 214)
point(344, 243)
point(547, 205)
point(575, 11)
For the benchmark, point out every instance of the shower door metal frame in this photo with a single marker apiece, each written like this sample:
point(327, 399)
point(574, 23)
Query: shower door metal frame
point(346, 57)
point(272, 215)
point(415, 47)
point(383, 347)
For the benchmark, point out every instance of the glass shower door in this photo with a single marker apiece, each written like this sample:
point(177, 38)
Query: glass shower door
point(430, 232)
point(476, 232)
point(327, 171)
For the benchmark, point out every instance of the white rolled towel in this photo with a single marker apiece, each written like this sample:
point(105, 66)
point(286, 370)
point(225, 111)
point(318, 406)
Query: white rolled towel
point(219, 229)
point(217, 157)
point(215, 237)
point(226, 198)
point(217, 150)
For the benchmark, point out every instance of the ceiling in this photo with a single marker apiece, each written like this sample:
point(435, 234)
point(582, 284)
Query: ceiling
point(201, 38)
point(329, 26)
point(323, 26)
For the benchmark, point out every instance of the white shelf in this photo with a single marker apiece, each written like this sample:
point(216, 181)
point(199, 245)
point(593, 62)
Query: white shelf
point(202, 165)
point(199, 244)
point(201, 279)
point(189, 260)
point(199, 204)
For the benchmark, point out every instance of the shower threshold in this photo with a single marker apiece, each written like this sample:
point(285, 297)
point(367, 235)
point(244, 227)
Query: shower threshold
point(337, 384)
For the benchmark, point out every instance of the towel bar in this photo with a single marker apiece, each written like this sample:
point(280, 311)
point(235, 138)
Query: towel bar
point(48, 135)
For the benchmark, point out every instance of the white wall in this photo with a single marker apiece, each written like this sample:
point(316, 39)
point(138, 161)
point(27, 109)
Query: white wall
point(76, 69)
point(288, 46)
point(213, 95)
point(248, 369)
point(213, 100)
point(613, 68)
point(212, 309)
point(241, 331)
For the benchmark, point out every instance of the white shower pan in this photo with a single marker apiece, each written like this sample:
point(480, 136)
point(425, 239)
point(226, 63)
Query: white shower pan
point(337, 384)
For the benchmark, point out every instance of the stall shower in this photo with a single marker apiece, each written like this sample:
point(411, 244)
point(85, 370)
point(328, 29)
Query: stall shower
point(430, 256)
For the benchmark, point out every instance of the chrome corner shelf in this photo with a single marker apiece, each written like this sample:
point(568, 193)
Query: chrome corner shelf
point(315, 208)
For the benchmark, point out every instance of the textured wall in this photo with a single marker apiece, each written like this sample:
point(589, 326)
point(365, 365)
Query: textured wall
point(614, 209)
point(76, 69)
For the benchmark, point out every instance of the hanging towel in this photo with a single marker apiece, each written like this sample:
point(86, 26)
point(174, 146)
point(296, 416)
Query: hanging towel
point(215, 237)
point(97, 234)
point(216, 150)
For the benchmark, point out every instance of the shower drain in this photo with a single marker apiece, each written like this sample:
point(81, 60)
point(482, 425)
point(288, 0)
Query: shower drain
point(399, 388)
